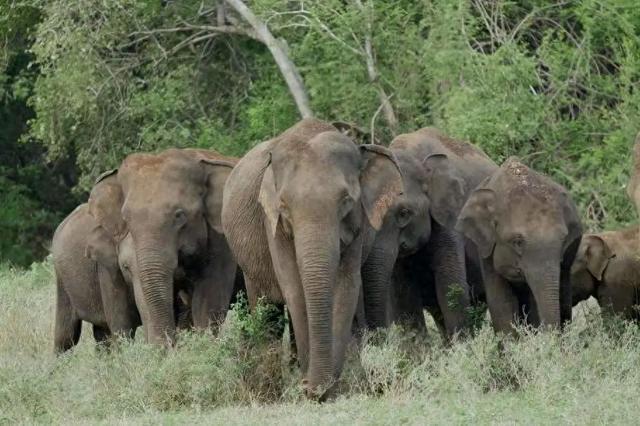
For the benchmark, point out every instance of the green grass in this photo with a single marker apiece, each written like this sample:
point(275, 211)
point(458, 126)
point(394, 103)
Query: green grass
point(588, 375)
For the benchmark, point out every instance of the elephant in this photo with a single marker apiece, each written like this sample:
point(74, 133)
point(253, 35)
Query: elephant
point(169, 204)
point(420, 262)
point(92, 286)
point(607, 267)
point(527, 230)
point(294, 213)
point(86, 291)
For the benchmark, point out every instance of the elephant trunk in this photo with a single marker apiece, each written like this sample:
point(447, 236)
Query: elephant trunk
point(376, 281)
point(156, 282)
point(317, 251)
point(544, 281)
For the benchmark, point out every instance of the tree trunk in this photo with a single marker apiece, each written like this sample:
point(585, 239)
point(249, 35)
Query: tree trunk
point(286, 66)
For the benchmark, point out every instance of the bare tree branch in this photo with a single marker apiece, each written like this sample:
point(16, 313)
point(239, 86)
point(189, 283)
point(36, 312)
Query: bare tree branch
point(287, 67)
point(385, 103)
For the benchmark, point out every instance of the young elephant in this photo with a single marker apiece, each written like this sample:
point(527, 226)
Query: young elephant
point(607, 267)
point(85, 290)
point(94, 284)
point(439, 174)
point(170, 203)
point(294, 211)
point(527, 231)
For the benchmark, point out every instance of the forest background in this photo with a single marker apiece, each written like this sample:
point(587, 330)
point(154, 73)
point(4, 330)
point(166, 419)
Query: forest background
point(84, 83)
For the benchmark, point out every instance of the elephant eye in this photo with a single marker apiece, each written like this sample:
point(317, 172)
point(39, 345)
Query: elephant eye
point(404, 215)
point(180, 217)
point(346, 204)
point(517, 242)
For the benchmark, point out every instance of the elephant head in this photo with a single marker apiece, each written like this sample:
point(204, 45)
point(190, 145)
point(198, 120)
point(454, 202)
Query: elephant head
point(406, 228)
point(592, 258)
point(318, 193)
point(525, 222)
point(167, 203)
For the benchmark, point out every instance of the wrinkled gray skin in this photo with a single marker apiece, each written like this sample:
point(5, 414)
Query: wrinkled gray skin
point(527, 231)
point(85, 290)
point(294, 211)
point(439, 174)
point(607, 267)
point(169, 203)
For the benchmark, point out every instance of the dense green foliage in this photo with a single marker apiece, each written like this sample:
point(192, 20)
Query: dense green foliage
point(587, 375)
point(87, 82)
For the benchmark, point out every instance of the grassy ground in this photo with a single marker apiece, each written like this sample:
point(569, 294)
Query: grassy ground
point(589, 375)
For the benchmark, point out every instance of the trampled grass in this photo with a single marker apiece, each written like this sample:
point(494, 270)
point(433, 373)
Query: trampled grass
point(588, 375)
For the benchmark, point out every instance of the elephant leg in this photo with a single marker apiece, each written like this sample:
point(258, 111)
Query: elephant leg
point(617, 300)
point(566, 297)
point(288, 276)
point(438, 319)
point(407, 301)
point(101, 336)
point(214, 288)
point(360, 319)
point(345, 301)
point(68, 325)
point(142, 308)
point(118, 303)
point(503, 303)
point(293, 348)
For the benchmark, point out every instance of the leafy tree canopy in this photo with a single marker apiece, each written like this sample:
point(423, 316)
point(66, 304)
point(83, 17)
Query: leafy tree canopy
point(84, 83)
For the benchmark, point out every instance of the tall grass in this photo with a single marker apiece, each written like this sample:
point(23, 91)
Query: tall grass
point(589, 374)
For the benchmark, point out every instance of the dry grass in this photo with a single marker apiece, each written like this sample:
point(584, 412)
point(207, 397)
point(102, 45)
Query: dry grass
point(590, 374)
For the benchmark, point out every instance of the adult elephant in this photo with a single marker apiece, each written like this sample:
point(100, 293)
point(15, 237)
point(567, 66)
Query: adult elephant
point(527, 231)
point(607, 267)
point(439, 174)
point(170, 205)
point(294, 211)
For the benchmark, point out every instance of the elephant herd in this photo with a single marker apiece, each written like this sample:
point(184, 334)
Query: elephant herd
point(346, 236)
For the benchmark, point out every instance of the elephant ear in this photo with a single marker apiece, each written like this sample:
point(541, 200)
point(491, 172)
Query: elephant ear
point(105, 204)
point(101, 249)
point(597, 255)
point(380, 182)
point(445, 188)
point(216, 174)
point(477, 220)
point(268, 199)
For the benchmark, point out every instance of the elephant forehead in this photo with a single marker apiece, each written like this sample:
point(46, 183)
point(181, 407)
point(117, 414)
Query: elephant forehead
point(528, 215)
point(410, 165)
point(522, 181)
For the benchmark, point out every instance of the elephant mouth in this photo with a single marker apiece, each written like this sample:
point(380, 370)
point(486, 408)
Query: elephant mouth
point(513, 273)
point(407, 249)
